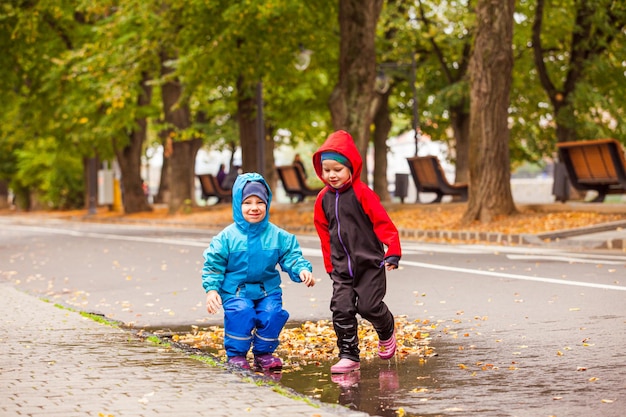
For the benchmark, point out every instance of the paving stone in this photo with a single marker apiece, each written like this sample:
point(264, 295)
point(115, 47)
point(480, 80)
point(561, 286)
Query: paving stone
point(55, 362)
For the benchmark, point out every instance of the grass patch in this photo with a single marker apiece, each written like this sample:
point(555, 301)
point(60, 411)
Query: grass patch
point(100, 319)
point(156, 340)
point(206, 359)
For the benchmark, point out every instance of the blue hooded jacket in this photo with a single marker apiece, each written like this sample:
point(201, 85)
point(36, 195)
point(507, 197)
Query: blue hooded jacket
point(241, 260)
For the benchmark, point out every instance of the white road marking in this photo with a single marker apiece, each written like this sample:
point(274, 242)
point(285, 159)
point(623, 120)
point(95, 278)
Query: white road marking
point(112, 236)
point(568, 259)
point(514, 276)
point(317, 253)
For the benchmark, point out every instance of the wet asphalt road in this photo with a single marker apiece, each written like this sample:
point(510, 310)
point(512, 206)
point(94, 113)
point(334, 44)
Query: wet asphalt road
point(518, 331)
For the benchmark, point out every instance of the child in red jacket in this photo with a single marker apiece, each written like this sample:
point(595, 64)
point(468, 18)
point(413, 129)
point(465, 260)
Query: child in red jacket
point(354, 230)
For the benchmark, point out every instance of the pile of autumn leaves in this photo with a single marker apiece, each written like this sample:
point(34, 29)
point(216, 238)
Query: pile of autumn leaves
point(420, 217)
point(314, 342)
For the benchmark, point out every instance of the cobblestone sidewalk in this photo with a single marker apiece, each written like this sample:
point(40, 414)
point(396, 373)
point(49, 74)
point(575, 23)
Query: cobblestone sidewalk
point(55, 362)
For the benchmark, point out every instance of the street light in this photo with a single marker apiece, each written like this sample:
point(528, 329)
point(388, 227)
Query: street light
point(303, 59)
point(260, 129)
point(383, 84)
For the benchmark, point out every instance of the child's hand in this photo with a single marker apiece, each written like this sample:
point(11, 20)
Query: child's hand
point(213, 302)
point(391, 262)
point(389, 266)
point(307, 278)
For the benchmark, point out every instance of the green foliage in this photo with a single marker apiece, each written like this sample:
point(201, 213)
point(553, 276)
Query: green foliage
point(226, 47)
point(439, 35)
point(57, 174)
point(597, 102)
point(71, 73)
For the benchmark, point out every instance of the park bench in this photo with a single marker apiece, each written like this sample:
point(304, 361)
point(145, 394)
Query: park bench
point(598, 165)
point(429, 177)
point(295, 184)
point(211, 188)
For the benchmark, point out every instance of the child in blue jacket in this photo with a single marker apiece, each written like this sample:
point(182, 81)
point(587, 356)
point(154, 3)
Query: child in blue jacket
point(240, 275)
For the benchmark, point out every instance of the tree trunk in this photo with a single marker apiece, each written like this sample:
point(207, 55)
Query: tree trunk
point(460, 121)
point(90, 182)
point(269, 173)
point(4, 195)
point(182, 174)
point(163, 195)
point(246, 117)
point(352, 96)
point(382, 127)
point(490, 79)
point(182, 157)
point(129, 158)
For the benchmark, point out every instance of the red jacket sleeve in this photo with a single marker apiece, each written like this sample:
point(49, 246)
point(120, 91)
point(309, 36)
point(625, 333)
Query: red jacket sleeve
point(384, 228)
point(321, 225)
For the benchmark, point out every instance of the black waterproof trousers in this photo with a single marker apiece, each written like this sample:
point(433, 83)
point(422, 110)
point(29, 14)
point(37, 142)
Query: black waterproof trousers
point(364, 295)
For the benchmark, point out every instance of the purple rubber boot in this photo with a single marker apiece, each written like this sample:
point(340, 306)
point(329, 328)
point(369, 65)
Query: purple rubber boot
point(268, 362)
point(239, 361)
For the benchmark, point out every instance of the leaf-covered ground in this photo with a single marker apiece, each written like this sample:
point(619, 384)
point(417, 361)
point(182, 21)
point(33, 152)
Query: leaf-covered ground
point(314, 342)
point(530, 219)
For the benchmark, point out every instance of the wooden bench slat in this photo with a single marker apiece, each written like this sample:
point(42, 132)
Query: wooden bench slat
point(211, 188)
point(429, 177)
point(597, 165)
point(294, 183)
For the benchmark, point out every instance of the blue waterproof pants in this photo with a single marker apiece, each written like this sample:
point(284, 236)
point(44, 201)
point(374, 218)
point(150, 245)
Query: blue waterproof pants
point(253, 322)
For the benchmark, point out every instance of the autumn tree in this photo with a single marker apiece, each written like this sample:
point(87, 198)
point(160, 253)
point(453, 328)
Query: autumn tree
point(490, 68)
point(565, 63)
point(238, 49)
point(112, 76)
point(34, 159)
point(438, 42)
point(352, 97)
point(446, 46)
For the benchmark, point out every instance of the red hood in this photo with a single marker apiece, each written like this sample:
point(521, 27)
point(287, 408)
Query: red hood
point(340, 142)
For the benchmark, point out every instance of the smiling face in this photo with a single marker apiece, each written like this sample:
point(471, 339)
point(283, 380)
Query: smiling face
point(253, 209)
point(335, 173)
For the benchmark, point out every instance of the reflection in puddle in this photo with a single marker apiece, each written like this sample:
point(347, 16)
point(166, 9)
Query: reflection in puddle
point(374, 389)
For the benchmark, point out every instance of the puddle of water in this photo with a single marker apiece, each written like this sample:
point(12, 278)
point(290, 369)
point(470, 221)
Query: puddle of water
point(482, 378)
point(379, 388)
point(490, 385)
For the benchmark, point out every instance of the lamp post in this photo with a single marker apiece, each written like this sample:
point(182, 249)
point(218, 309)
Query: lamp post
point(260, 130)
point(415, 109)
point(303, 59)
point(383, 84)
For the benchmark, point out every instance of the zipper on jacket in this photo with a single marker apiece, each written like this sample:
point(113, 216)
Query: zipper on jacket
point(339, 234)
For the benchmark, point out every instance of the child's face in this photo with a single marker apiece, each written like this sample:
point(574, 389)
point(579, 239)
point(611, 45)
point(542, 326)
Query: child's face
point(253, 209)
point(335, 173)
